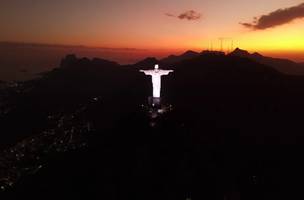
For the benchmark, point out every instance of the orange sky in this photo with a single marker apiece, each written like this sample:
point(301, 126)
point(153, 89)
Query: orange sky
point(144, 24)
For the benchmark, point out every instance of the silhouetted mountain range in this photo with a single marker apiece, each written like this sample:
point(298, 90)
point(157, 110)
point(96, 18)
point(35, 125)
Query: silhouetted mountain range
point(185, 56)
point(283, 65)
point(23, 61)
point(147, 63)
point(207, 147)
point(205, 77)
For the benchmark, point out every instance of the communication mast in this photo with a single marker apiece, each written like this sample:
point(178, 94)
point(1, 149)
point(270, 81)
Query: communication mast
point(222, 40)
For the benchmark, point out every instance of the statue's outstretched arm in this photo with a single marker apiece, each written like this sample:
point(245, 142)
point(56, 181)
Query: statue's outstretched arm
point(147, 72)
point(166, 72)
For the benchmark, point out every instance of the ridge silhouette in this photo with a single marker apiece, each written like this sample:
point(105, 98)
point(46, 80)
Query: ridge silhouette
point(282, 65)
point(174, 59)
point(226, 107)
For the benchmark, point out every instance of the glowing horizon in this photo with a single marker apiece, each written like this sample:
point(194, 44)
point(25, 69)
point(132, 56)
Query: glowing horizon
point(157, 26)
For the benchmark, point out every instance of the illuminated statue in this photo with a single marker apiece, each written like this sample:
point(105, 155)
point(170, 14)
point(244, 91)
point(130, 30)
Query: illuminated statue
point(156, 79)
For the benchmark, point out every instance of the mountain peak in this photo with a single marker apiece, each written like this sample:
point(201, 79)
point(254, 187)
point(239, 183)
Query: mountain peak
point(282, 65)
point(240, 52)
point(69, 60)
point(190, 53)
point(147, 62)
point(174, 59)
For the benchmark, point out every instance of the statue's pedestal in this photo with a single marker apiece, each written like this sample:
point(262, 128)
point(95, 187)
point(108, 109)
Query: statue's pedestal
point(155, 109)
point(154, 102)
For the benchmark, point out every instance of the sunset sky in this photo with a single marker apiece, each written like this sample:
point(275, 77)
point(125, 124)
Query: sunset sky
point(159, 24)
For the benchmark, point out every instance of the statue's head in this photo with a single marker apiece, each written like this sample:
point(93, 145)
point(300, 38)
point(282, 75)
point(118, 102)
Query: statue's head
point(156, 67)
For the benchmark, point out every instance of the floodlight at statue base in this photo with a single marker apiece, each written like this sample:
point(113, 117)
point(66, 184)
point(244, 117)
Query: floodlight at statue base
point(155, 110)
point(154, 101)
point(157, 113)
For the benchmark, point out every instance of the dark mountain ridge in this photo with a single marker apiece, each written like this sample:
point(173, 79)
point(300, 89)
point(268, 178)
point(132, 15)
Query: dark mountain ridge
point(282, 65)
point(207, 147)
point(174, 59)
point(147, 63)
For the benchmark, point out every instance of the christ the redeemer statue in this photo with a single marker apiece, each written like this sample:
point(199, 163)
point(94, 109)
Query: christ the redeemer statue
point(156, 79)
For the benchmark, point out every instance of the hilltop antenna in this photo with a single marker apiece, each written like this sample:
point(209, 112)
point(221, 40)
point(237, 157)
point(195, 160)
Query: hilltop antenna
point(211, 45)
point(238, 44)
point(222, 40)
point(221, 44)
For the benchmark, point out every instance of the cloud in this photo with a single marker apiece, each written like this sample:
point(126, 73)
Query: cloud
point(247, 25)
point(190, 15)
point(276, 18)
point(169, 15)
